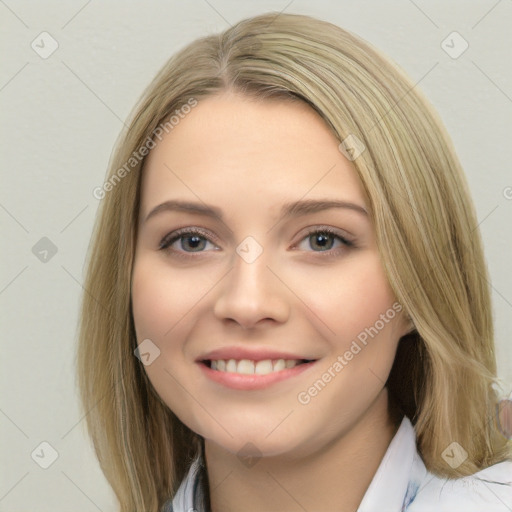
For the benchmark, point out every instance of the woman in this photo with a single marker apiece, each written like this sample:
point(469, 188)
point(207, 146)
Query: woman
point(286, 301)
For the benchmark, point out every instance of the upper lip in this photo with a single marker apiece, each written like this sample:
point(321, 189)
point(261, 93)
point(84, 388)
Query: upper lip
point(253, 354)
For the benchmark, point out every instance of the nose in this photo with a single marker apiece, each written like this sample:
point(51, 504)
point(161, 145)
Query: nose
point(252, 294)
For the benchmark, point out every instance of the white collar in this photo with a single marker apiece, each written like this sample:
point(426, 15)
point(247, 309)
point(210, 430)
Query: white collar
point(402, 483)
point(398, 476)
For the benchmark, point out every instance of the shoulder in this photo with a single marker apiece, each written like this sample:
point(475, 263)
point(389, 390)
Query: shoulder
point(489, 489)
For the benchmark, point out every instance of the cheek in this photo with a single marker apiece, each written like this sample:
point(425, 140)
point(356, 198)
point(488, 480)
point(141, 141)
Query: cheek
point(365, 301)
point(367, 324)
point(351, 299)
point(150, 304)
point(160, 299)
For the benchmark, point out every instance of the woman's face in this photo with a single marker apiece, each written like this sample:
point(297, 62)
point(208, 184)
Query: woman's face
point(262, 280)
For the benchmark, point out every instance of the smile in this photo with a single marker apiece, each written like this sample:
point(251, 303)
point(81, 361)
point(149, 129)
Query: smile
point(248, 367)
point(246, 374)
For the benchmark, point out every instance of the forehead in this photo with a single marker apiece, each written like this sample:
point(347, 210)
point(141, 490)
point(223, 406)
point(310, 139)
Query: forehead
point(238, 151)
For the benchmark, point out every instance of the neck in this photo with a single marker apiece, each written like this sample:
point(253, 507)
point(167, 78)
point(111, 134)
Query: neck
point(335, 477)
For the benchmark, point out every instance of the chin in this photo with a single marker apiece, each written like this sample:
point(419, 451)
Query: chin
point(254, 441)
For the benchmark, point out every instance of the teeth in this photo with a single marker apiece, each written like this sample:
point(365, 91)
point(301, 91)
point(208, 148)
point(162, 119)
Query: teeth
point(263, 367)
point(280, 364)
point(231, 366)
point(247, 367)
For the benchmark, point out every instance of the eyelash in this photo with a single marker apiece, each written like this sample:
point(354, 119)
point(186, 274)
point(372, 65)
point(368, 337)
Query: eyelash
point(169, 239)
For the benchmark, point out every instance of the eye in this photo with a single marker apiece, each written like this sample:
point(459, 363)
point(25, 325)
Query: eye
point(185, 239)
point(323, 239)
point(188, 241)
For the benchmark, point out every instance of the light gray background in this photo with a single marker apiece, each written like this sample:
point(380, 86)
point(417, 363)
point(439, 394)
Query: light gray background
point(60, 118)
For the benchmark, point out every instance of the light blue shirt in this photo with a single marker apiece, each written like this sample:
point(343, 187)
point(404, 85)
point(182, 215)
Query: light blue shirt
point(403, 484)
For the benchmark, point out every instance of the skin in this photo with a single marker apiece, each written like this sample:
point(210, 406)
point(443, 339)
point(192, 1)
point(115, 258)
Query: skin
point(248, 158)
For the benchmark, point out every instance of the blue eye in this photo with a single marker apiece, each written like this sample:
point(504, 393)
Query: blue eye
point(325, 238)
point(189, 238)
point(196, 241)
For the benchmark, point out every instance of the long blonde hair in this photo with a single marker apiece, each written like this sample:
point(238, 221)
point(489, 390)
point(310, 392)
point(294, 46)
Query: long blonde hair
point(426, 231)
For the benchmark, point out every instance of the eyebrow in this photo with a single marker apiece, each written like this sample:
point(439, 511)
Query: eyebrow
point(291, 209)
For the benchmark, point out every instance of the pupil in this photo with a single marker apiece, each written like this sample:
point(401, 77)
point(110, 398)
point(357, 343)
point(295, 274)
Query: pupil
point(195, 241)
point(323, 239)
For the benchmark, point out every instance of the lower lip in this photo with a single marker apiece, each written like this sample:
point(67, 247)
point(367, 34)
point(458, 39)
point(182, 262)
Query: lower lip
point(253, 381)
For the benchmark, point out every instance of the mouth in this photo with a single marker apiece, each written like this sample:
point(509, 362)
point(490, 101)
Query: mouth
point(249, 367)
point(246, 374)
